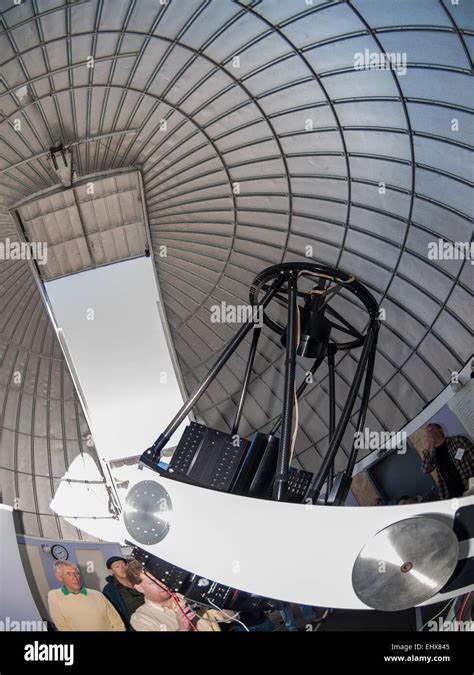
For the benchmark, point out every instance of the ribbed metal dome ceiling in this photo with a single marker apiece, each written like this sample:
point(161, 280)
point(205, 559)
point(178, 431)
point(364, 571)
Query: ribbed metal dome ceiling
point(256, 138)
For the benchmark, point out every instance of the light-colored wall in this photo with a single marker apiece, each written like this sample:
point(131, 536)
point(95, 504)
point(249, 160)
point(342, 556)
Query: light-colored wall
point(35, 573)
point(16, 599)
point(38, 565)
point(92, 565)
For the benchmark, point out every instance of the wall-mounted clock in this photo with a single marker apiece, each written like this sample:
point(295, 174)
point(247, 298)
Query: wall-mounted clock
point(59, 552)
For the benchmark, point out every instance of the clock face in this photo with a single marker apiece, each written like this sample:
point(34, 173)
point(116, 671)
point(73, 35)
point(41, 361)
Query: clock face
point(59, 552)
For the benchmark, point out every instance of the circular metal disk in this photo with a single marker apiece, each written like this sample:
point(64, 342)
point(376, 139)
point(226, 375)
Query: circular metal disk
point(405, 564)
point(146, 513)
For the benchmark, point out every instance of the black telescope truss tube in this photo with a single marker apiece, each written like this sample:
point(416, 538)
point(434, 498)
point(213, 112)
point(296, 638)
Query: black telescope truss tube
point(299, 391)
point(152, 455)
point(368, 349)
point(346, 476)
point(281, 478)
point(365, 399)
point(332, 414)
point(248, 371)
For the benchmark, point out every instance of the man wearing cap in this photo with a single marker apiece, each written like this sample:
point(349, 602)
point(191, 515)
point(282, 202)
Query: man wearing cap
point(120, 592)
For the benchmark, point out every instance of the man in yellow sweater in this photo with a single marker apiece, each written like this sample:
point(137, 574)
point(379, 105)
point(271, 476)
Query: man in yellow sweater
point(75, 607)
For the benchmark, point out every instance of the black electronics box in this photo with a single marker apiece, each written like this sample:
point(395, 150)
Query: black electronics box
point(257, 472)
point(207, 457)
point(298, 483)
point(209, 592)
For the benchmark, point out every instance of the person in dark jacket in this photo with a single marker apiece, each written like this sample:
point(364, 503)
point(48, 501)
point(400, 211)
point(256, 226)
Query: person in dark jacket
point(120, 592)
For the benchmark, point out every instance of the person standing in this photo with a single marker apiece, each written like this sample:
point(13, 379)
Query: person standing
point(120, 592)
point(452, 457)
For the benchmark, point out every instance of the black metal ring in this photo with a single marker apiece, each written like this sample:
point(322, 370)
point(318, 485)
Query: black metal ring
point(344, 279)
